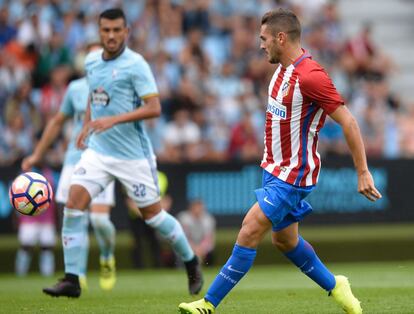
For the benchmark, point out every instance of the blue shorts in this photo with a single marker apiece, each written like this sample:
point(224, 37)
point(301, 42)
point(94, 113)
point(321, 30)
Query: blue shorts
point(281, 202)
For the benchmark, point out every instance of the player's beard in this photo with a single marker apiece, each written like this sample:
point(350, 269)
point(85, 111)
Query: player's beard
point(114, 50)
point(274, 54)
point(112, 46)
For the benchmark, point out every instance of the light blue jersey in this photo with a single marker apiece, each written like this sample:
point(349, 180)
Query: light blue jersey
point(74, 105)
point(116, 87)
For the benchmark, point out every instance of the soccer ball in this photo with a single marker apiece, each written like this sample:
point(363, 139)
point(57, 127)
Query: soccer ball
point(30, 194)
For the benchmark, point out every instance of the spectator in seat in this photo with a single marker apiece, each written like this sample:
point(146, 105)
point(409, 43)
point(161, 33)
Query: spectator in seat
point(199, 227)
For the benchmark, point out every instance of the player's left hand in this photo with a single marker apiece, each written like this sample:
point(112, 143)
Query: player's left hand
point(83, 134)
point(102, 124)
point(366, 186)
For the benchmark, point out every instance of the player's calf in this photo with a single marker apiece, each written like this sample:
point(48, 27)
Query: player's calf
point(171, 230)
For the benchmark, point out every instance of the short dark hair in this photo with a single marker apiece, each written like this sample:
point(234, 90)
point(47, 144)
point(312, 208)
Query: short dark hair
point(113, 14)
point(283, 21)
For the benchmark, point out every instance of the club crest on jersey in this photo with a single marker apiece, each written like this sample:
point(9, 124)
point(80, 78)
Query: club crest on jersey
point(100, 97)
point(285, 89)
point(276, 109)
point(80, 171)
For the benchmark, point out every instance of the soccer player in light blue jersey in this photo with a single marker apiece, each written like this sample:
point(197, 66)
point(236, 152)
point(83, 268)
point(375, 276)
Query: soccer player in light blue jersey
point(74, 107)
point(122, 94)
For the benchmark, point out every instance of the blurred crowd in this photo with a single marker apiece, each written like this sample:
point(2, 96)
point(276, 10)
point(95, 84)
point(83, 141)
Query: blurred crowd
point(212, 76)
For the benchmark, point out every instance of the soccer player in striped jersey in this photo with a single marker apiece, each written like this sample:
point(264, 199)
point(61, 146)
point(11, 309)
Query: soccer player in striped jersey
point(300, 96)
point(123, 92)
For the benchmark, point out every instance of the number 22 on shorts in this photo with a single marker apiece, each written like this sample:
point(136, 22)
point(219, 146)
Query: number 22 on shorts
point(139, 190)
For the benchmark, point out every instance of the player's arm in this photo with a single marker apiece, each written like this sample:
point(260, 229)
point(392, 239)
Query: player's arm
point(356, 145)
point(318, 87)
point(151, 108)
point(50, 133)
point(84, 133)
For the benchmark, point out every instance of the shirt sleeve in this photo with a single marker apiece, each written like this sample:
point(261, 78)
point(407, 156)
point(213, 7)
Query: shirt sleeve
point(66, 106)
point(318, 88)
point(143, 80)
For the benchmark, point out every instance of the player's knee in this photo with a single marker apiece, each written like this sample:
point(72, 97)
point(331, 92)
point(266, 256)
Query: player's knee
point(284, 244)
point(249, 236)
point(150, 211)
point(100, 208)
point(78, 198)
point(75, 204)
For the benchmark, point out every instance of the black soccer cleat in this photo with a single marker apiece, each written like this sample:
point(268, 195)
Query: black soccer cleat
point(195, 276)
point(66, 287)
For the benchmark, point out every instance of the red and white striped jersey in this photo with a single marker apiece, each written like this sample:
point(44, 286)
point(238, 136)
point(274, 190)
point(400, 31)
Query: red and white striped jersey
point(300, 97)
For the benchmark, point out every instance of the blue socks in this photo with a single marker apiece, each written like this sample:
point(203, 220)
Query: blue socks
point(170, 229)
point(73, 236)
point(236, 267)
point(242, 258)
point(105, 233)
point(304, 257)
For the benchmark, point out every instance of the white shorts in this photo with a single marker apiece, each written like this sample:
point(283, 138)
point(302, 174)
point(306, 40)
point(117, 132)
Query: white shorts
point(34, 233)
point(139, 177)
point(106, 197)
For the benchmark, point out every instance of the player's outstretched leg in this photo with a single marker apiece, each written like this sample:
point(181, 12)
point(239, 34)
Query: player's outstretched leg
point(73, 235)
point(105, 235)
point(171, 230)
point(342, 294)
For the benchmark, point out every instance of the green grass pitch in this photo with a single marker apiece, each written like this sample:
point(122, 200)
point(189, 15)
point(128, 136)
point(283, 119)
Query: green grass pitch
point(382, 288)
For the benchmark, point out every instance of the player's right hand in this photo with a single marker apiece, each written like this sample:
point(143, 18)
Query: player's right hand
point(81, 139)
point(367, 187)
point(29, 162)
